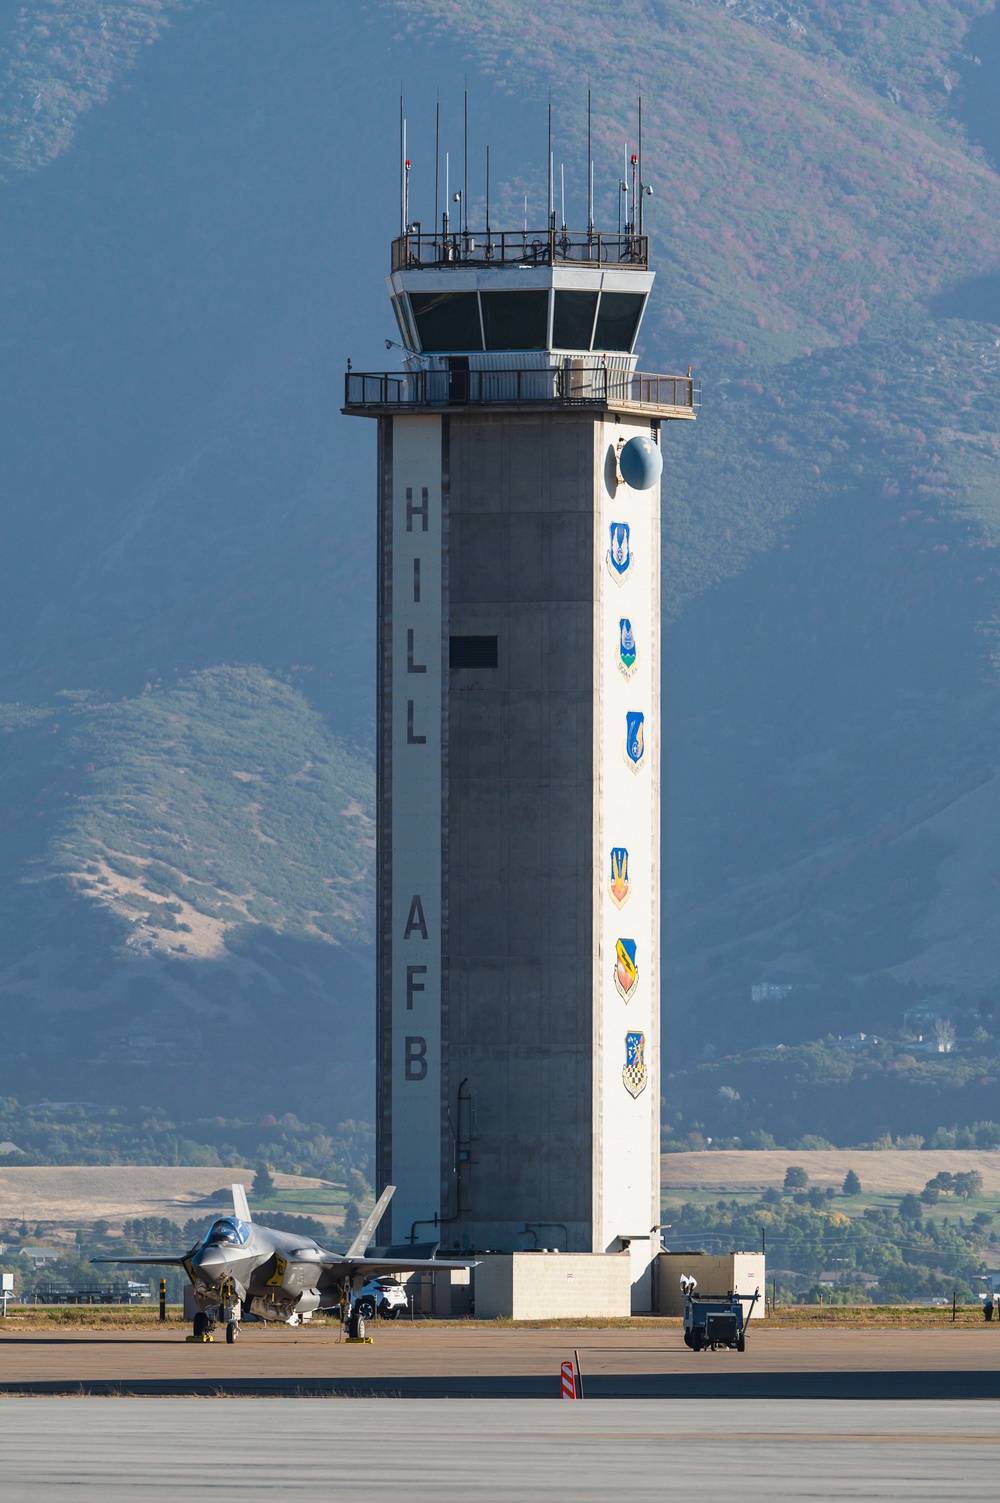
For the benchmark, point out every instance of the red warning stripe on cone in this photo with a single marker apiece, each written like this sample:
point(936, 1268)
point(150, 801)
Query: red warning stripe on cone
point(567, 1381)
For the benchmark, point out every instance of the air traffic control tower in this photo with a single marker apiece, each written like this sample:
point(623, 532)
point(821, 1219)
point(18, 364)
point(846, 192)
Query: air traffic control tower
point(519, 743)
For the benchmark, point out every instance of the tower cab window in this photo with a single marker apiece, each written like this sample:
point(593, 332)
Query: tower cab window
point(515, 320)
point(447, 320)
point(618, 320)
point(573, 323)
point(406, 330)
point(467, 322)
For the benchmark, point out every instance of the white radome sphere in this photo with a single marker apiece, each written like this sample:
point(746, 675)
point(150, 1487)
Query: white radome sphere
point(641, 463)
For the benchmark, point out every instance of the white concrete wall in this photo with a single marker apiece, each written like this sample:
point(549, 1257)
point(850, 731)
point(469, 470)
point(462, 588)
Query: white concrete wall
point(717, 1273)
point(418, 620)
point(546, 1286)
point(626, 818)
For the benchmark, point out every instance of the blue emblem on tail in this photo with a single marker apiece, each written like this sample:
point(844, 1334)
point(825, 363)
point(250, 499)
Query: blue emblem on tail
point(634, 748)
point(620, 556)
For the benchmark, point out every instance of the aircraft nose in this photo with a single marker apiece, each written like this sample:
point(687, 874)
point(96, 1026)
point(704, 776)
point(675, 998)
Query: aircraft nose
point(212, 1263)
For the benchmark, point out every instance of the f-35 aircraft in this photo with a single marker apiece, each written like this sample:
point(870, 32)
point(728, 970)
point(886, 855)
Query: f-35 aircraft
point(284, 1276)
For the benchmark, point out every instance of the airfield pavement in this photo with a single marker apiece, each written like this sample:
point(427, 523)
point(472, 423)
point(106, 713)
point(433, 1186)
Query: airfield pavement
point(467, 1360)
point(495, 1451)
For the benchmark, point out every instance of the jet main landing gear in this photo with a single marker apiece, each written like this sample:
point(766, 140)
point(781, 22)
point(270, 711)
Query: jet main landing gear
point(202, 1328)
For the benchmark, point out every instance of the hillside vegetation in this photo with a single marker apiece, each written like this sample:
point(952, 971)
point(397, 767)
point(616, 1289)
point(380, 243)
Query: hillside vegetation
point(222, 799)
point(176, 830)
point(60, 58)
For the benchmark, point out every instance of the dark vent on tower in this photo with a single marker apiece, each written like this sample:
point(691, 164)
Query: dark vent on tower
point(473, 652)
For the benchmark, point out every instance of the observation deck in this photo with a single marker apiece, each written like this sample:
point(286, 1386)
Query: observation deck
point(573, 384)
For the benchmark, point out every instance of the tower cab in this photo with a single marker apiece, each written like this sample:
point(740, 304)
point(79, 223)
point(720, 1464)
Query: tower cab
point(518, 317)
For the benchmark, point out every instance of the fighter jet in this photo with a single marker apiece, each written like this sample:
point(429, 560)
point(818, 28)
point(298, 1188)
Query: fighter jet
point(243, 1266)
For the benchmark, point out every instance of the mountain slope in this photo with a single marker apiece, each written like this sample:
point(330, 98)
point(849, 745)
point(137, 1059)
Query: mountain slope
point(824, 230)
point(187, 549)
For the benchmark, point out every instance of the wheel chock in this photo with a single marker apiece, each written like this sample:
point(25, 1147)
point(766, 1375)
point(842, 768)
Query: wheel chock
point(198, 1338)
point(359, 1340)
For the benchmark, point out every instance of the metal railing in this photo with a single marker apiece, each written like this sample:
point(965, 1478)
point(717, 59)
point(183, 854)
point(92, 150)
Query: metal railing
point(417, 249)
point(569, 385)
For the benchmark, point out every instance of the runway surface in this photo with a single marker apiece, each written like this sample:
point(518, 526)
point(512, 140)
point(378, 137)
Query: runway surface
point(105, 1450)
point(485, 1361)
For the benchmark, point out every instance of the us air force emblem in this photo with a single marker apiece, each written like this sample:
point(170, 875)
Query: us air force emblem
point(620, 555)
point(626, 970)
point(628, 653)
point(618, 883)
point(634, 748)
point(634, 1072)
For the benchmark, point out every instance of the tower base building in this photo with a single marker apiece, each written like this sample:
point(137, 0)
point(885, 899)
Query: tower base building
point(519, 745)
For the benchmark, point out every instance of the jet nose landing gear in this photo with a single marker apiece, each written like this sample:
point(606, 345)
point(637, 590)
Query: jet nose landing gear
point(230, 1310)
point(227, 1312)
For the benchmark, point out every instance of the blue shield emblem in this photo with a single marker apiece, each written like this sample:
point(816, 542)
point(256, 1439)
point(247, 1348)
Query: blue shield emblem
point(628, 653)
point(634, 748)
point(620, 555)
point(634, 1072)
point(618, 883)
point(626, 970)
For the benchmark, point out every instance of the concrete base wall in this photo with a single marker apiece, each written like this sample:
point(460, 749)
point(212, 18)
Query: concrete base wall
point(443, 1294)
point(545, 1286)
point(717, 1273)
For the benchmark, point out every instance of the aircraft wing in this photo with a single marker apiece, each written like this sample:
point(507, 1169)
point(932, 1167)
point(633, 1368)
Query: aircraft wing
point(153, 1261)
point(370, 1266)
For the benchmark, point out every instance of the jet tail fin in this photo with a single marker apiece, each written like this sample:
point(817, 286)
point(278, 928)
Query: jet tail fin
point(367, 1232)
point(240, 1204)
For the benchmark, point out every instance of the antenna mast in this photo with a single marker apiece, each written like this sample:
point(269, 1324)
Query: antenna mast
point(402, 159)
point(488, 235)
point(590, 175)
point(622, 188)
point(465, 185)
point(642, 188)
point(437, 159)
point(552, 212)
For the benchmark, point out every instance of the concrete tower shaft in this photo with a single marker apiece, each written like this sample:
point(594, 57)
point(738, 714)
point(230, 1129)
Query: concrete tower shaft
point(519, 676)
